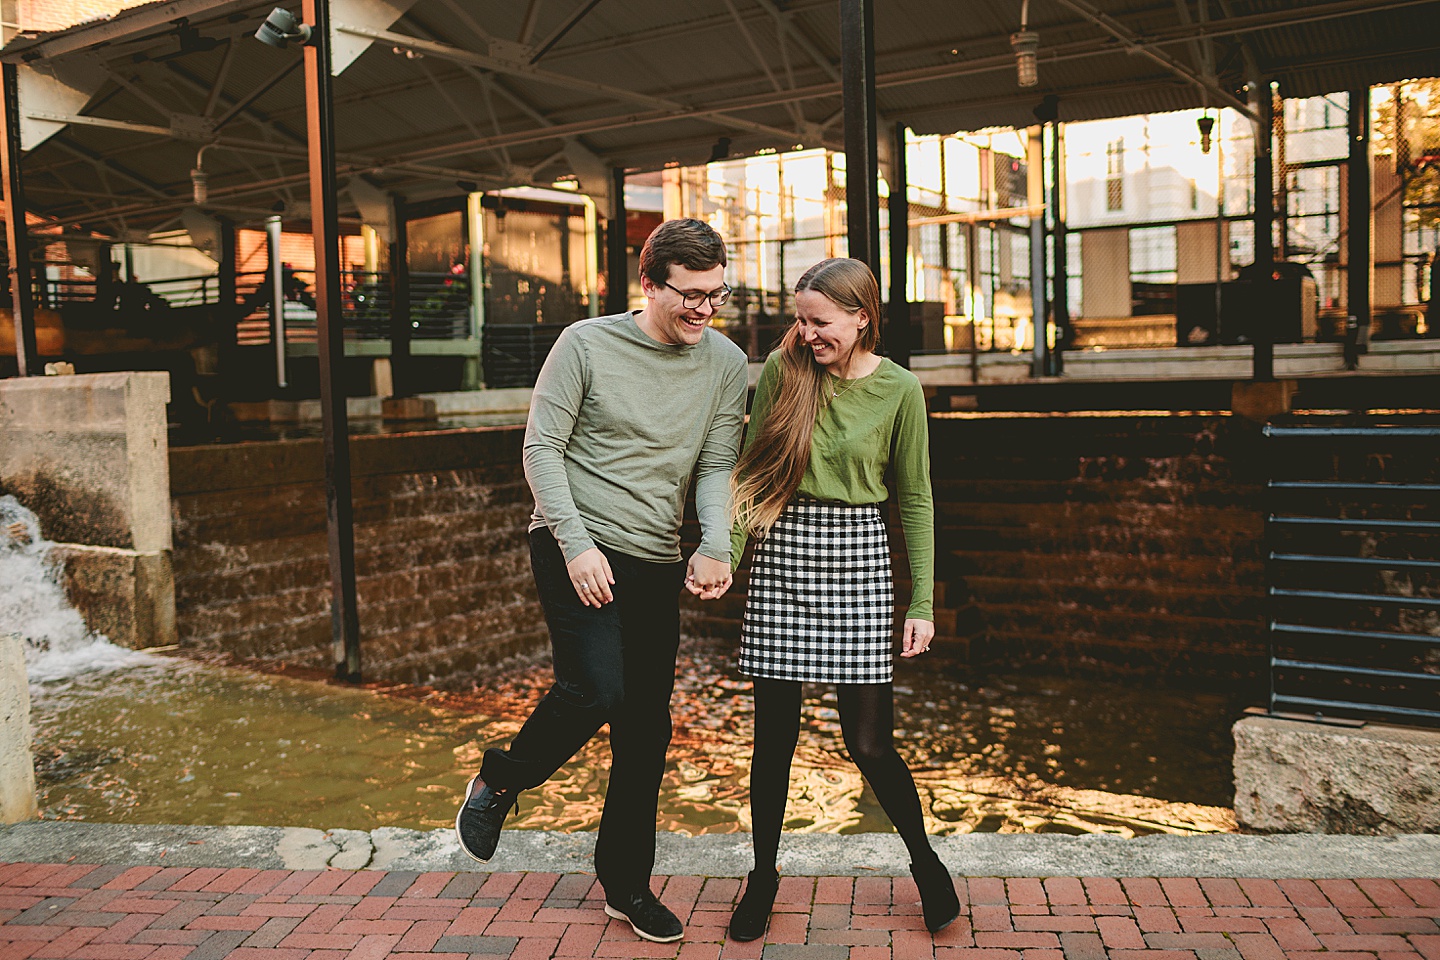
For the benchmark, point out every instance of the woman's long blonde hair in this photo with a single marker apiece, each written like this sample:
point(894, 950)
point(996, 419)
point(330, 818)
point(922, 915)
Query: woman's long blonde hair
point(772, 466)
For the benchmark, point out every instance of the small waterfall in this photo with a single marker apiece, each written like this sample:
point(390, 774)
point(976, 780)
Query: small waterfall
point(33, 606)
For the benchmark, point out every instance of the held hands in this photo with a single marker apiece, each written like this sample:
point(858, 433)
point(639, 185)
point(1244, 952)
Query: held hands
point(707, 577)
point(918, 634)
point(590, 575)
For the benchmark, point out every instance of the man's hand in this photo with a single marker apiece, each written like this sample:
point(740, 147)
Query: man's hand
point(918, 634)
point(707, 577)
point(590, 575)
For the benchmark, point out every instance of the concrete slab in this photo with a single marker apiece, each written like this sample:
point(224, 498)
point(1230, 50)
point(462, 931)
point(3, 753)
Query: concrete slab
point(728, 855)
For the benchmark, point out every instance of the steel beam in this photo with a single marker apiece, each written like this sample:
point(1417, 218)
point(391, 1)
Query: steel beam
point(1060, 297)
point(273, 230)
point(617, 266)
point(1264, 221)
point(17, 233)
point(898, 328)
point(402, 380)
point(1360, 233)
point(862, 162)
point(1039, 314)
point(330, 336)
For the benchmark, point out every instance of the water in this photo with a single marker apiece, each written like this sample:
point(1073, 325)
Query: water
point(126, 737)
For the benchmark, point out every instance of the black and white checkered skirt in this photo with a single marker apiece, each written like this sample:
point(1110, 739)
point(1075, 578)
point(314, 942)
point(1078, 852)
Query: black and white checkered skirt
point(821, 601)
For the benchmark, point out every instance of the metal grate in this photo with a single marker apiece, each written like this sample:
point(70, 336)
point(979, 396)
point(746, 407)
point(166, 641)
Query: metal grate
point(1353, 571)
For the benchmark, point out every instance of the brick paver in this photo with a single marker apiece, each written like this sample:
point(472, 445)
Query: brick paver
point(63, 911)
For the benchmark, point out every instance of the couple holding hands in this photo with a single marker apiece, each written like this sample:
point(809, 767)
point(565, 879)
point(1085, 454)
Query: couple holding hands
point(627, 412)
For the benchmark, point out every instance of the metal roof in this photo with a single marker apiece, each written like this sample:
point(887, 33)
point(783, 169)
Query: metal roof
point(448, 92)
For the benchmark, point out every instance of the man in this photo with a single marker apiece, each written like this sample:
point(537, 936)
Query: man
point(628, 409)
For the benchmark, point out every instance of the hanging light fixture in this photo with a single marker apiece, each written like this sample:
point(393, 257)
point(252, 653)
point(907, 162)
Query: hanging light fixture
point(1026, 45)
point(1206, 125)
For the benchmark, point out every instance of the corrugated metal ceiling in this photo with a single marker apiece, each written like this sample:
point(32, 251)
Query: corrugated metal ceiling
point(667, 82)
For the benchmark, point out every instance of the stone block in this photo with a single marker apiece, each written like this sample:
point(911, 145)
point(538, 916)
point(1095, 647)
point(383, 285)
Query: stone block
point(1292, 776)
point(1259, 400)
point(88, 455)
point(17, 765)
point(128, 596)
point(407, 408)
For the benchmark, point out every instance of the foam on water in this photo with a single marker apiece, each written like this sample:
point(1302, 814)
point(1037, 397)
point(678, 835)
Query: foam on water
point(33, 606)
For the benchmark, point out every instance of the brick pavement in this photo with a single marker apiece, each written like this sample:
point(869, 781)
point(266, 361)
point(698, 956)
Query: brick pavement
point(53, 910)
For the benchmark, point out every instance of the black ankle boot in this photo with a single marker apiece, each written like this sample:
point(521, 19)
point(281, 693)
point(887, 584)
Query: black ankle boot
point(752, 913)
point(938, 900)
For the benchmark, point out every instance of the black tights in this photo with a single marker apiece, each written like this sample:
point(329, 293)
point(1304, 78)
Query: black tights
point(867, 718)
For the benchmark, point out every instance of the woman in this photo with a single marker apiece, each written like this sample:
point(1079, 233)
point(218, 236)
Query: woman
point(830, 416)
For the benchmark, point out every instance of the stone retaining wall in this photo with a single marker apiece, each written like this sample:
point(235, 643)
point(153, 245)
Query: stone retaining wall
point(441, 556)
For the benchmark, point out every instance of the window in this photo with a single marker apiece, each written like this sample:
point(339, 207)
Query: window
point(1115, 175)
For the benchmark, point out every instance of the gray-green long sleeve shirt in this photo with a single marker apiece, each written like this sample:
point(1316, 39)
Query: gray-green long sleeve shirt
point(620, 425)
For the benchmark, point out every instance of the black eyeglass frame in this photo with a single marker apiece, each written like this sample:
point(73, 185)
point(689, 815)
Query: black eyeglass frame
point(723, 293)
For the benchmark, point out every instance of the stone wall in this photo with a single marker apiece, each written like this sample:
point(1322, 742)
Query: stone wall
point(442, 561)
point(1109, 544)
point(88, 456)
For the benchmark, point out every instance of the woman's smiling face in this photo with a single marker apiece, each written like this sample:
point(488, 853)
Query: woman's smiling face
point(828, 329)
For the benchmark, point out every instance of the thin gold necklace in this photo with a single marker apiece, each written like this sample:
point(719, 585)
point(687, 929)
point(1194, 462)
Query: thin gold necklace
point(839, 386)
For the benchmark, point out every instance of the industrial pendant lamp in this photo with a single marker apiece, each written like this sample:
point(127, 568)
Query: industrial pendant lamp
point(1026, 45)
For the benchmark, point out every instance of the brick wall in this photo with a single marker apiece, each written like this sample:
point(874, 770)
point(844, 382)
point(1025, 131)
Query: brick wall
point(1102, 544)
point(442, 561)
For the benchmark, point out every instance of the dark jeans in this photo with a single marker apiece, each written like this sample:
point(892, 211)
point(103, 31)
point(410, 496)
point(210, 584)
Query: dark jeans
point(613, 665)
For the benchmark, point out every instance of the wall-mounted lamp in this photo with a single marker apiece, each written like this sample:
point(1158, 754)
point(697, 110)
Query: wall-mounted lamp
point(280, 28)
point(1026, 45)
point(199, 181)
point(1206, 125)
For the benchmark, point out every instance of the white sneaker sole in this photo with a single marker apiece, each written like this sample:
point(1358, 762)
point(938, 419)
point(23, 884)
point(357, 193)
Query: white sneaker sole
point(469, 790)
point(611, 911)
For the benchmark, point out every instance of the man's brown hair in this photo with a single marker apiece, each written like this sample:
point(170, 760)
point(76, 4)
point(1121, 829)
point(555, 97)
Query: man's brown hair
point(691, 243)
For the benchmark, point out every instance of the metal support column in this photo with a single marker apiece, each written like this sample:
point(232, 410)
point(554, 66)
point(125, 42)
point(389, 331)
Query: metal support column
point(617, 258)
point(1039, 314)
point(1060, 299)
point(17, 234)
point(1360, 236)
point(862, 160)
point(330, 334)
point(277, 299)
point(898, 329)
point(227, 312)
point(402, 379)
point(1261, 333)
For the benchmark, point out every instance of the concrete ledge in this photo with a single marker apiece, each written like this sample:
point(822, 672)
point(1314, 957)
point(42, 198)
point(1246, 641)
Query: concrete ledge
point(127, 596)
point(1372, 780)
point(726, 855)
point(17, 766)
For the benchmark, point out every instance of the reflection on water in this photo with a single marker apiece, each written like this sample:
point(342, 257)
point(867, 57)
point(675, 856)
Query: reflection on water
point(172, 741)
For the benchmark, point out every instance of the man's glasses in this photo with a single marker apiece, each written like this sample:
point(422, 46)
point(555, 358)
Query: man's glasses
point(690, 301)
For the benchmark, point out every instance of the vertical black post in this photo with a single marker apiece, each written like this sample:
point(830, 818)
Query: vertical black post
point(227, 313)
point(862, 160)
point(617, 259)
point(1039, 312)
point(17, 234)
point(897, 332)
point(330, 334)
point(401, 381)
point(277, 300)
point(1060, 300)
point(1262, 323)
point(1359, 243)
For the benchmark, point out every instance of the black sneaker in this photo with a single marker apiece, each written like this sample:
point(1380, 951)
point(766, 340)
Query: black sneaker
point(478, 823)
point(647, 916)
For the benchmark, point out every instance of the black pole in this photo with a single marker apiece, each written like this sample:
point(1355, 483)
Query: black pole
point(1039, 307)
point(862, 160)
point(1060, 300)
point(227, 313)
point(401, 381)
point(330, 333)
point(17, 234)
point(898, 328)
point(1359, 243)
point(617, 265)
point(1261, 321)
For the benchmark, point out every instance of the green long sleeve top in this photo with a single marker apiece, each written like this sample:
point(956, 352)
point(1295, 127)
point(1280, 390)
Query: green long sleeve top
point(874, 423)
point(621, 425)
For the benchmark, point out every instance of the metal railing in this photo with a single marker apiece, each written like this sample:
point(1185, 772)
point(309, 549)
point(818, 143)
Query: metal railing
point(1352, 537)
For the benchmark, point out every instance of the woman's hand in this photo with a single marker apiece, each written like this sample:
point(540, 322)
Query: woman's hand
point(590, 575)
point(707, 577)
point(918, 634)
